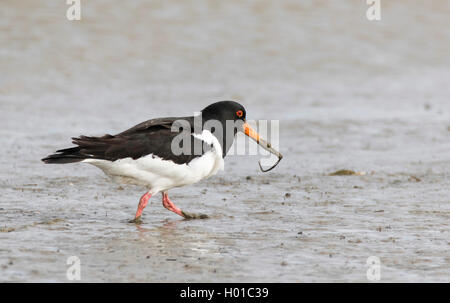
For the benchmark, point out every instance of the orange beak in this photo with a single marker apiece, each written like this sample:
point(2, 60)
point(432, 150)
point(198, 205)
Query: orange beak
point(250, 132)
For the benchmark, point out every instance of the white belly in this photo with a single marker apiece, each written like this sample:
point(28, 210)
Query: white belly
point(161, 175)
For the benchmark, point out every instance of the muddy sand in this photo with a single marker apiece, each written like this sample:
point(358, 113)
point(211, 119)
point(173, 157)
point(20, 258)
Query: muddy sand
point(364, 117)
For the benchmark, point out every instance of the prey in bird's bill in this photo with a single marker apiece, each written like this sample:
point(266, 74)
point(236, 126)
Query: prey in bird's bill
point(152, 155)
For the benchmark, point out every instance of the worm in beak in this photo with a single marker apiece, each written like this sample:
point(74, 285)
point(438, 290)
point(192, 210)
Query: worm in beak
point(250, 132)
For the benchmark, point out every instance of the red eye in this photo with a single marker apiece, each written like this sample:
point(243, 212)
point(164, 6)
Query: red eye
point(239, 113)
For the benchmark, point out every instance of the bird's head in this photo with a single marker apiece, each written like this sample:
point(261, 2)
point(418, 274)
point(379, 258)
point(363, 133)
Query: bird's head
point(223, 111)
point(231, 117)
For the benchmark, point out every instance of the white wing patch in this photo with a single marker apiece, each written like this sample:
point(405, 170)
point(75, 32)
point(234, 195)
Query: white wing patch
point(160, 175)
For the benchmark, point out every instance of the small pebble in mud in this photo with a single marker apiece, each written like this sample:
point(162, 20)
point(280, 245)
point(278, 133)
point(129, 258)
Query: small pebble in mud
point(7, 229)
point(248, 178)
point(347, 172)
point(287, 195)
point(354, 241)
point(343, 172)
point(414, 179)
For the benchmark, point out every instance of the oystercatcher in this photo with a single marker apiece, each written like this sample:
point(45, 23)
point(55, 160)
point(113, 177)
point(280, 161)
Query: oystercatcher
point(164, 153)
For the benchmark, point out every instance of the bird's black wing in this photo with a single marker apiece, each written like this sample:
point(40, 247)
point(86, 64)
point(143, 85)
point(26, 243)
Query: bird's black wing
point(154, 137)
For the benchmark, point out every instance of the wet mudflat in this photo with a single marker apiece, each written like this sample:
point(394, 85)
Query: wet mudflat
point(364, 128)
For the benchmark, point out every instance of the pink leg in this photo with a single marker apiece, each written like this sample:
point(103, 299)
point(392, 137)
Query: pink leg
point(142, 204)
point(170, 206)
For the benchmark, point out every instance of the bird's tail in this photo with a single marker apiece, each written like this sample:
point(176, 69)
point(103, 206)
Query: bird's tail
point(63, 156)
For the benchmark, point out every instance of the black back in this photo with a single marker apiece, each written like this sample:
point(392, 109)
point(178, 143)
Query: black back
point(155, 137)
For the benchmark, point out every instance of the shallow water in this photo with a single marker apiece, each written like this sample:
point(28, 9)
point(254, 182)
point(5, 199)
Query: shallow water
point(372, 97)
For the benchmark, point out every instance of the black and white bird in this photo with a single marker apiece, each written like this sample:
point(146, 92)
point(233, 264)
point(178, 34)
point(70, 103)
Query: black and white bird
point(164, 153)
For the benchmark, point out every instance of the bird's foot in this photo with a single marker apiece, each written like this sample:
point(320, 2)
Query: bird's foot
point(188, 215)
point(136, 220)
point(170, 206)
